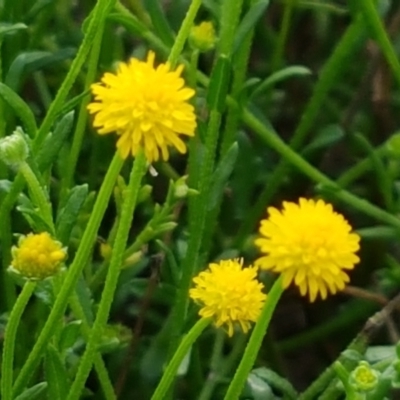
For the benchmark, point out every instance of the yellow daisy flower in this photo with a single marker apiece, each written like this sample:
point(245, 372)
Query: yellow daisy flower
point(310, 244)
point(146, 106)
point(229, 294)
point(37, 256)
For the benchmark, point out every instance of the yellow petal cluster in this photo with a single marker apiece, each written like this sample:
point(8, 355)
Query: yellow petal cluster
point(146, 106)
point(37, 256)
point(310, 244)
point(229, 293)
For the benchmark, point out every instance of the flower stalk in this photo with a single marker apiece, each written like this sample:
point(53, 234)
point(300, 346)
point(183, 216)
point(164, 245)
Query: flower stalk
point(117, 258)
point(170, 372)
point(7, 368)
point(254, 344)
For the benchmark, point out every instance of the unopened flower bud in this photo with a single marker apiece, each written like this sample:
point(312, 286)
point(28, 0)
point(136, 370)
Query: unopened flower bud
point(182, 190)
point(14, 149)
point(202, 37)
point(364, 378)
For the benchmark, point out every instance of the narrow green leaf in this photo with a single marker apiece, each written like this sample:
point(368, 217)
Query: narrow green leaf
point(279, 76)
point(219, 84)
point(53, 143)
point(249, 21)
point(9, 29)
point(221, 175)
point(68, 216)
point(277, 382)
point(134, 25)
point(159, 21)
point(328, 136)
point(20, 108)
point(28, 62)
point(34, 392)
point(56, 375)
point(69, 335)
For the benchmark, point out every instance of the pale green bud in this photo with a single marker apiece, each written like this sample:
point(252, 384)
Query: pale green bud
point(202, 37)
point(14, 149)
point(364, 378)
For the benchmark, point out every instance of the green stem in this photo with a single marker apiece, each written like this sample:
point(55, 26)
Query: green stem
point(370, 13)
point(7, 367)
point(319, 386)
point(276, 143)
point(283, 34)
point(83, 114)
point(223, 370)
point(183, 33)
point(128, 207)
point(328, 78)
point(97, 17)
point(197, 223)
point(254, 344)
point(80, 260)
point(100, 368)
point(170, 372)
point(39, 196)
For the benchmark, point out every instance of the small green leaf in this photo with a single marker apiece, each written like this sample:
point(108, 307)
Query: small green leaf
point(20, 108)
point(31, 214)
point(327, 137)
point(69, 335)
point(53, 143)
point(35, 392)
point(279, 76)
point(68, 216)
point(56, 374)
point(8, 29)
point(221, 175)
point(249, 21)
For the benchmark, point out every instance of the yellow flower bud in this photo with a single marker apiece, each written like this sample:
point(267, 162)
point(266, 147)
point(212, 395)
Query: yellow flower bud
point(202, 37)
point(37, 256)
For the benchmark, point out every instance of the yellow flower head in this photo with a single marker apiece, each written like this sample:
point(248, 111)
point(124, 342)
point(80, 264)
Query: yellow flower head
point(229, 294)
point(310, 244)
point(37, 256)
point(146, 106)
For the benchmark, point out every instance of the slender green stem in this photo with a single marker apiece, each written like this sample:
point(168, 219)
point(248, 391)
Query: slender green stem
point(100, 368)
point(254, 344)
point(170, 372)
point(83, 114)
point(328, 78)
point(371, 15)
point(81, 257)
point(97, 17)
point(128, 207)
point(39, 196)
point(230, 13)
point(293, 158)
point(223, 370)
point(319, 386)
point(190, 262)
point(283, 34)
point(7, 367)
point(184, 32)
